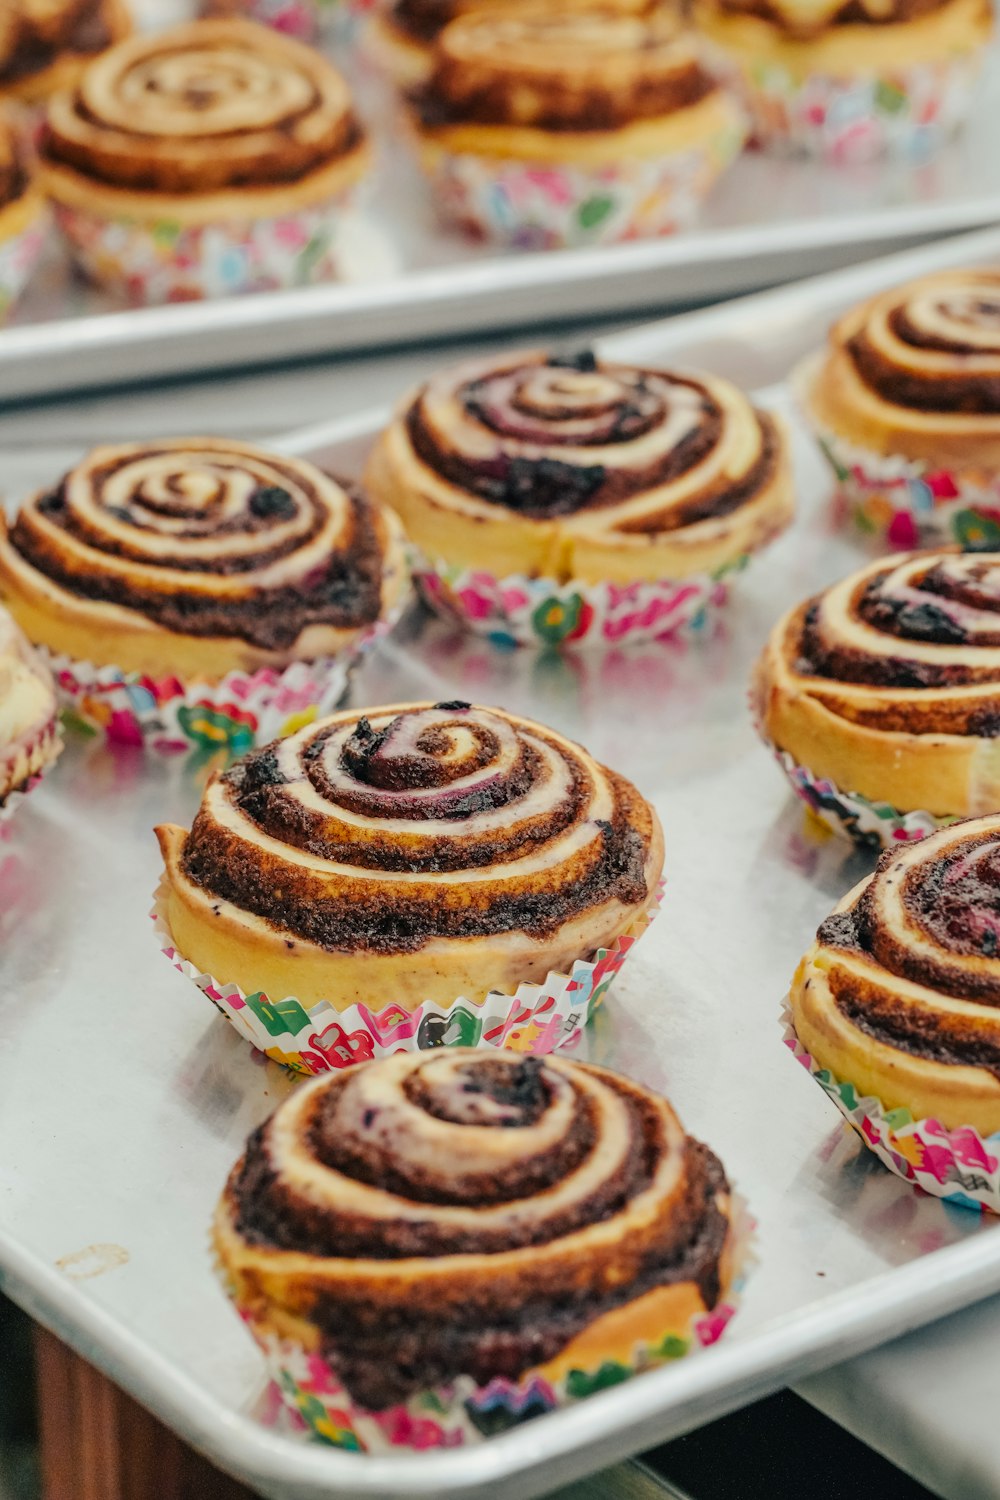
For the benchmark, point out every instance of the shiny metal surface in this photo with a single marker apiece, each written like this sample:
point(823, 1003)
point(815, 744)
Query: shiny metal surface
point(124, 1099)
point(407, 278)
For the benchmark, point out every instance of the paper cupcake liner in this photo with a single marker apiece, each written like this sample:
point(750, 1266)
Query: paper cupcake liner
point(531, 205)
point(521, 611)
point(19, 254)
point(462, 1412)
point(875, 825)
point(319, 1038)
point(307, 20)
point(908, 112)
point(14, 798)
point(147, 261)
point(960, 1166)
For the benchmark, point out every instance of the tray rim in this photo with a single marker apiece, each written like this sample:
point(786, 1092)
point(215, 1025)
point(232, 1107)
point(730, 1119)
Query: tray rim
point(558, 1448)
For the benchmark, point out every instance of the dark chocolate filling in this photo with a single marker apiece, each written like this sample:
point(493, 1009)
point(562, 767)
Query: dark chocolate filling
point(83, 31)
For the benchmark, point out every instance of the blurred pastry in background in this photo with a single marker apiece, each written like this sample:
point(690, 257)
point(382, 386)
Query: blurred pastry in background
point(545, 127)
point(45, 43)
point(404, 32)
point(849, 80)
point(215, 158)
point(23, 215)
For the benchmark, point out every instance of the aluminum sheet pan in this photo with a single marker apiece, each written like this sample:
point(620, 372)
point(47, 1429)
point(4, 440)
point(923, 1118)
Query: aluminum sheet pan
point(409, 279)
point(124, 1099)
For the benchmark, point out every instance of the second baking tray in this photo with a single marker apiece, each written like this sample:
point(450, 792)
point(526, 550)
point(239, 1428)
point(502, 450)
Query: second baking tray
point(768, 220)
point(124, 1099)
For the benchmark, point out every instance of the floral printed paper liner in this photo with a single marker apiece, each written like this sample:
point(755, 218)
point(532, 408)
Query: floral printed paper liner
point(906, 501)
point(960, 1166)
point(462, 1412)
point(20, 250)
point(909, 111)
point(536, 205)
point(320, 1038)
point(876, 825)
point(523, 611)
point(10, 801)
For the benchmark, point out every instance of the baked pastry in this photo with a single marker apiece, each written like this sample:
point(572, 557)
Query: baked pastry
point(405, 31)
point(905, 401)
point(895, 1010)
point(403, 1235)
point(45, 43)
point(887, 685)
point(29, 730)
point(22, 216)
point(416, 853)
point(540, 128)
point(196, 557)
point(214, 158)
point(850, 79)
point(576, 468)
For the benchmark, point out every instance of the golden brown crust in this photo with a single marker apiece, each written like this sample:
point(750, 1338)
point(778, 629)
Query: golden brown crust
point(208, 114)
point(916, 371)
point(888, 684)
point(900, 994)
point(587, 71)
point(45, 43)
point(435, 850)
point(355, 1215)
point(579, 469)
point(29, 737)
point(196, 556)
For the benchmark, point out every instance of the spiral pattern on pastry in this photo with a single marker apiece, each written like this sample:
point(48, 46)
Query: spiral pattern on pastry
point(204, 538)
point(900, 995)
point(208, 107)
point(407, 825)
point(916, 370)
point(562, 70)
point(467, 1213)
point(891, 678)
point(42, 41)
point(808, 21)
point(577, 459)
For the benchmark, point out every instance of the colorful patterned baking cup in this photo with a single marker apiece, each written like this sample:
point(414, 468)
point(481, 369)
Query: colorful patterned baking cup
point(522, 611)
point(909, 112)
point(304, 19)
point(156, 261)
point(317, 1039)
point(19, 254)
point(532, 206)
point(960, 1166)
point(462, 1412)
point(49, 737)
point(875, 825)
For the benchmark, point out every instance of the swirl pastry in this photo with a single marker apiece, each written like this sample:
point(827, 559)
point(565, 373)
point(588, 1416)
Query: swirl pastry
point(607, 102)
point(215, 124)
point(425, 852)
point(573, 468)
point(195, 557)
point(29, 736)
point(44, 44)
point(426, 1218)
point(888, 683)
point(850, 78)
point(899, 994)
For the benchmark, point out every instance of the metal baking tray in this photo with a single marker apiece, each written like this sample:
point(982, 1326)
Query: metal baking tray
point(768, 221)
point(124, 1099)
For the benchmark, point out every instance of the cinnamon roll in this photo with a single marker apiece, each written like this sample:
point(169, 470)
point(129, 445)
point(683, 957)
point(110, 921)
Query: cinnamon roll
point(29, 734)
point(899, 994)
point(415, 853)
point(22, 215)
point(888, 683)
point(577, 468)
point(850, 79)
point(213, 125)
point(196, 557)
point(472, 1218)
point(610, 104)
point(44, 44)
